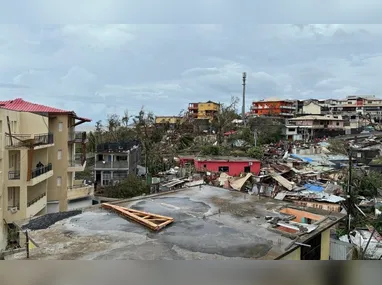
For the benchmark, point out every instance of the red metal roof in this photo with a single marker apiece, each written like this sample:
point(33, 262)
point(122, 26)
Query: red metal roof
point(25, 106)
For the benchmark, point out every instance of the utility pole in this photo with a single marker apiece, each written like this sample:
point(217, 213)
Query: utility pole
point(348, 196)
point(243, 108)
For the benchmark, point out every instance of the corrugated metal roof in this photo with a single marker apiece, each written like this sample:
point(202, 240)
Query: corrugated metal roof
point(20, 105)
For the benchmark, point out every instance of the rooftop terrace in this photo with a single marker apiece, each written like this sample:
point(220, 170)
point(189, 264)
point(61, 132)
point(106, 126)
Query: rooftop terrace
point(210, 223)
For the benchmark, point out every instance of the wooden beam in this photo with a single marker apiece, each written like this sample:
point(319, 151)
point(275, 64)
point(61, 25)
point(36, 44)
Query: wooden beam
point(152, 221)
point(9, 130)
point(30, 166)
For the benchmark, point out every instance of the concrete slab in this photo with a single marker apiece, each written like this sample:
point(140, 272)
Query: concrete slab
point(210, 223)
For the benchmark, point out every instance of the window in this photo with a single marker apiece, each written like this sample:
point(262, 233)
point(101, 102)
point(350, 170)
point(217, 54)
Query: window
point(223, 169)
point(59, 180)
point(60, 126)
point(59, 154)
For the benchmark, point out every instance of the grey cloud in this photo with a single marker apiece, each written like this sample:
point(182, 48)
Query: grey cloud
point(12, 85)
point(96, 69)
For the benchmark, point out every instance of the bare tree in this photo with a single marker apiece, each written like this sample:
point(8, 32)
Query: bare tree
point(125, 118)
point(223, 120)
point(376, 125)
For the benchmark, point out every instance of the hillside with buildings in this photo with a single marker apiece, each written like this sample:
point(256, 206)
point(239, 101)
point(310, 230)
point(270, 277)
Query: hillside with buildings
point(302, 178)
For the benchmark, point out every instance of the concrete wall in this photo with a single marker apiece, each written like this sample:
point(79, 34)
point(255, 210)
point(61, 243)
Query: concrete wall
point(60, 166)
point(319, 205)
point(294, 255)
point(33, 124)
point(312, 109)
point(170, 120)
point(325, 245)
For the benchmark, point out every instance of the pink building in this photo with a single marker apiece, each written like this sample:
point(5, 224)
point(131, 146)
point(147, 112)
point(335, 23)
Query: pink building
point(233, 166)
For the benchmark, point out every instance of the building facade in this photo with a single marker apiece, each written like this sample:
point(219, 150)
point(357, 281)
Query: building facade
point(233, 166)
point(61, 161)
point(25, 167)
point(168, 120)
point(305, 128)
point(279, 108)
point(205, 110)
point(115, 161)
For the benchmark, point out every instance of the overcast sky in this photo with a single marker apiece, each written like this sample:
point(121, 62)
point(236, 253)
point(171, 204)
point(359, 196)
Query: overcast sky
point(97, 70)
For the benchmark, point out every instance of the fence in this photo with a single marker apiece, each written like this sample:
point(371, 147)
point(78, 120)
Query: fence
point(340, 250)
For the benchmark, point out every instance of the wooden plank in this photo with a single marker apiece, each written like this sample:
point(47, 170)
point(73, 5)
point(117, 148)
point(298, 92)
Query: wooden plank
point(9, 130)
point(152, 221)
point(157, 216)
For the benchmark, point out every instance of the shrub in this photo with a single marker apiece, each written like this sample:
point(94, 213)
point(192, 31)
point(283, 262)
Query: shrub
point(130, 187)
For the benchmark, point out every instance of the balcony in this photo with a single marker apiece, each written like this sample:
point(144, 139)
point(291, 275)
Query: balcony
point(14, 175)
point(40, 174)
point(123, 147)
point(80, 191)
point(122, 164)
point(77, 137)
point(76, 165)
point(41, 170)
point(36, 205)
point(27, 140)
point(288, 107)
point(287, 114)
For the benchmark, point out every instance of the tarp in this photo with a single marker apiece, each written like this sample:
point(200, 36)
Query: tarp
point(306, 159)
point(313, 187)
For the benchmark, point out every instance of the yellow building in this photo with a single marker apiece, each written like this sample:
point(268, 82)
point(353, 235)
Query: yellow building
point(205, 110)
point(172, 120)
point(37, 161)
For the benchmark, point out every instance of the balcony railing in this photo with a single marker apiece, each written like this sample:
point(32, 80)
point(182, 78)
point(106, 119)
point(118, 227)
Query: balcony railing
point(28, 140)
point(35, 200)
point(287, 107)
point(118, 147)
point(76, 162)
point(43, 139)
point(18, 140)
point(76, 136)
point(112, 164)
point(14, 175)
point(41, 170)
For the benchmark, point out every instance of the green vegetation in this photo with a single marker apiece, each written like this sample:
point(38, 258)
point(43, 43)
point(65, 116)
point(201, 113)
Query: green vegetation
point(130, 187)
point(366, 183)
point(212, 150)
point(268, 130)
point(256, 152)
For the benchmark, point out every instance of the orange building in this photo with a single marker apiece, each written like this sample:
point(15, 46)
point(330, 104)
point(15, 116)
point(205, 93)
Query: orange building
point(278, 108)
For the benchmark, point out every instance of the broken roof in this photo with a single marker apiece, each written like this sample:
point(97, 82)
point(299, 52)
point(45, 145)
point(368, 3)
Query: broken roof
point(209, 223)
